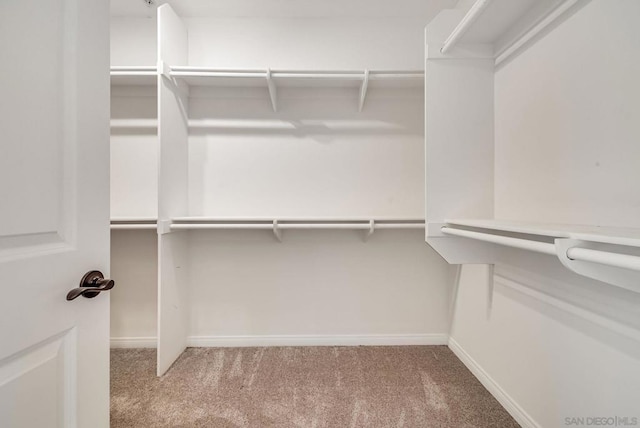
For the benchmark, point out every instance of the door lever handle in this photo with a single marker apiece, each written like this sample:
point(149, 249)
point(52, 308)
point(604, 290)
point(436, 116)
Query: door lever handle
point(91, 284)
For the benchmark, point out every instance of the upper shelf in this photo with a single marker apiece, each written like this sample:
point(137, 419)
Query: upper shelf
point(134, 75)
point(505, 25)
point(274, 79)
point(204, 76)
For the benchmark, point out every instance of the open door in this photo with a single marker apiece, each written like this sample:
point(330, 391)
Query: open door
point(54, 212)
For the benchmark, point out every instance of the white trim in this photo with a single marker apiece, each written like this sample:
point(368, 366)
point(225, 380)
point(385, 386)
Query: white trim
point(318, 340)
point(134, 342)
point(510, 405)
point(286, 340)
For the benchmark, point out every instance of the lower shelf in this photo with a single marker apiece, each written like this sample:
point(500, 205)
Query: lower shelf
point(277, 226)
point(607, 254)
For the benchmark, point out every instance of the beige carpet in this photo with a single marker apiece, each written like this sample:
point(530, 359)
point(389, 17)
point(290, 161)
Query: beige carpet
point(395, 387)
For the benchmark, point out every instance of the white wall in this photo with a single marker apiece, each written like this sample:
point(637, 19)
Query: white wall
point(134, 152)
point(567, 129)
point(548, 343)
point(547, 357)
point(307, 43)
point(327, 283)
point(134, 268)
point(316, 157)
point(133, 41)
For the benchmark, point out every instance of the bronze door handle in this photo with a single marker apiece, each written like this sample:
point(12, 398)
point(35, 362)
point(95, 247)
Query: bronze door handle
point(91, 284)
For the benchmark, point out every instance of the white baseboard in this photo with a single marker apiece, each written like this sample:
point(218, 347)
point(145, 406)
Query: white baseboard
point(285, 340)
point(134, 342)
point(492, 386)
point(318, 340)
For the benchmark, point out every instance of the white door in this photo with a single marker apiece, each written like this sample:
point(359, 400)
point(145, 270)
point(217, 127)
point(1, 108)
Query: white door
point(54, 212)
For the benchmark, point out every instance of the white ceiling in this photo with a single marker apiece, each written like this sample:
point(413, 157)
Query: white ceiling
point(417, 9)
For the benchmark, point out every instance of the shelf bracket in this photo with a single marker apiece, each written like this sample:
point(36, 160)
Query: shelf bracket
point(363, 89)
point(164, 69)
point(273, 93)
point(164, 227)
point(369, 232)
point(277, 231)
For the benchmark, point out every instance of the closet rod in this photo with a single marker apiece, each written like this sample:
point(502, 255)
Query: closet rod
point(300, 226)
point(134, 226)
point(467, 21)
point(353, 226)
point(399, 225)
point(525, 244)
point(205, 226)
point(320, 75)
point(214, 73)
point(623, 261)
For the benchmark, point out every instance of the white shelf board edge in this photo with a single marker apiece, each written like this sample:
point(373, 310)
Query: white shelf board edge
point(504, 26)
point(590, 251)
point(601, 234)
point(295, 219)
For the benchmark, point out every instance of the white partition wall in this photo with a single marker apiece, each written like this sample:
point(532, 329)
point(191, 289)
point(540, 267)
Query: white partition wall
point(173, 310)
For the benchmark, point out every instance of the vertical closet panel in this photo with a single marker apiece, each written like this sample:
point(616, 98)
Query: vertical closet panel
point(459, 142)
point(173, 133)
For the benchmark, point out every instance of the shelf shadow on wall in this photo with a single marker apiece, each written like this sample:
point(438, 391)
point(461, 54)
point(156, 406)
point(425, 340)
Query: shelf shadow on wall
point(299, 128)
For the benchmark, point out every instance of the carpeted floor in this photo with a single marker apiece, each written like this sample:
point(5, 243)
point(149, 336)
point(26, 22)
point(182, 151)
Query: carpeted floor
point(307, 387)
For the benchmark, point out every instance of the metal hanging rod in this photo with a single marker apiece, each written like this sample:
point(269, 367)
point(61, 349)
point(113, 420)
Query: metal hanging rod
point(624, 261)
point(524, 244)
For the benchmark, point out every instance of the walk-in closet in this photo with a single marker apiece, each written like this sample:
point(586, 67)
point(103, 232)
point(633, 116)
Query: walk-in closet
point(454, 181)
